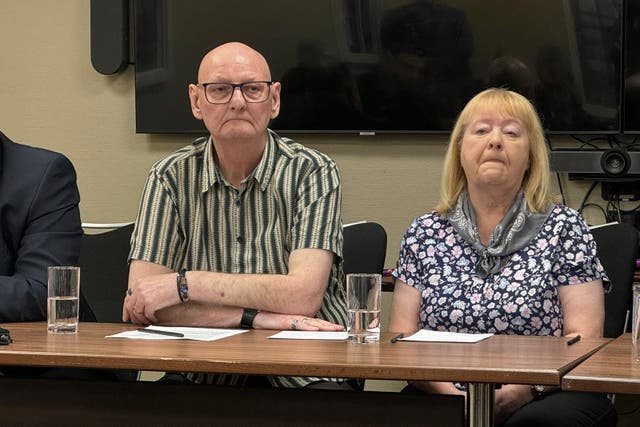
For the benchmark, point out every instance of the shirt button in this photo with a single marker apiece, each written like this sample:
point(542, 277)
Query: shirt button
point(240, 239)
point(237, 202)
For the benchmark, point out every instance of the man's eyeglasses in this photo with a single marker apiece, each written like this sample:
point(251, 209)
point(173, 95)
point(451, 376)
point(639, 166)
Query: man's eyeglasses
point(221, 93)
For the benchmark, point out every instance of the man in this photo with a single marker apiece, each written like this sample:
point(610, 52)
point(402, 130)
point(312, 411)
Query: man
point(39, 226)
point(249, 220)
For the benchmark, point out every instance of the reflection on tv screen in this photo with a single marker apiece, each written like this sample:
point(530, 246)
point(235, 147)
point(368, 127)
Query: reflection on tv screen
point(389, 66)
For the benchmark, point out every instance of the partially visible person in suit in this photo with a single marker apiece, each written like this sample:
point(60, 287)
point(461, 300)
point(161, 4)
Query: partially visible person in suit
point(39, 226)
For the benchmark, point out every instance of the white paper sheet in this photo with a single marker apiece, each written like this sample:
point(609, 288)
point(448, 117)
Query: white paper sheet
point(310, 335)
point(198, 334)
point(442, 336)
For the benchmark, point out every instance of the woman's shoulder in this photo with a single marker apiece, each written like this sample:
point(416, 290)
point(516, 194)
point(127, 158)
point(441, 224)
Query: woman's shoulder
point(565, 214)
point(560, 209)
point(430, 220)
point(565, 221)
point(428, 224)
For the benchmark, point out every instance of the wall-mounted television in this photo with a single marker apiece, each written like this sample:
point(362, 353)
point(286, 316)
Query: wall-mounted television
point(385, 66)
point(631, 55)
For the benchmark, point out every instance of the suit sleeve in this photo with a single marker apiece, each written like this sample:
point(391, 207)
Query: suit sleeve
point(51, 237)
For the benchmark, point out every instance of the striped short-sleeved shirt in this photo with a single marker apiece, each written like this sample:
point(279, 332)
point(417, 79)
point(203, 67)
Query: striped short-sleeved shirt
point(191, 217)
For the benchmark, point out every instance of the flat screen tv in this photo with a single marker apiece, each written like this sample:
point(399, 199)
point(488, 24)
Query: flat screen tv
point(631, 110)
point(383, 66)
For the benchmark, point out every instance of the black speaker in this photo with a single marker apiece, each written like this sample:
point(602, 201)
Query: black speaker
point(615, 163)
point(109, 35)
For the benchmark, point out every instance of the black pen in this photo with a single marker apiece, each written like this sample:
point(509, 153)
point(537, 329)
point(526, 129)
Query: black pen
point(396, 338)
point(159, 332)
point(573, 340)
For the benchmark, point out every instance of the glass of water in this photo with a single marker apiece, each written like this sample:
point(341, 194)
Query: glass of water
point(63, 299)
point(363, 307)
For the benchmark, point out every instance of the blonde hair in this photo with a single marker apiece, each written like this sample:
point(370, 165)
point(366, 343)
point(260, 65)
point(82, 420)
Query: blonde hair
point(536, 180)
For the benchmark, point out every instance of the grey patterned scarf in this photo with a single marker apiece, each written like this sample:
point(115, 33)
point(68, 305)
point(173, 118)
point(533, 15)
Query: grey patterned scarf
point(518, 227)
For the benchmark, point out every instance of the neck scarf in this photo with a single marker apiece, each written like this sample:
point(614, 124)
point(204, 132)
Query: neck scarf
point(518, 227)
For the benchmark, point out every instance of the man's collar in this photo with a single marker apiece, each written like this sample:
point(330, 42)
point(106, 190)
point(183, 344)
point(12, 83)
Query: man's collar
point(211, 174)
point(262, 173)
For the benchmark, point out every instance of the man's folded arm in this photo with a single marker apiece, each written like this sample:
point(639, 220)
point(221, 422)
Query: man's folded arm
point(221, 296)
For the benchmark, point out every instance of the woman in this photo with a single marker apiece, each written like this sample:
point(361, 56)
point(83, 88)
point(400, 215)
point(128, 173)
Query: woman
point(499, 256)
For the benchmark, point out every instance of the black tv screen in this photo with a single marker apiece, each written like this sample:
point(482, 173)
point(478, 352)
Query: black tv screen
point(631, 115)
point(389, 66)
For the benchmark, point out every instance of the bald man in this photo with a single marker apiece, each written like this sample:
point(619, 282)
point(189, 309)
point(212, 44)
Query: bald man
point(241, 228)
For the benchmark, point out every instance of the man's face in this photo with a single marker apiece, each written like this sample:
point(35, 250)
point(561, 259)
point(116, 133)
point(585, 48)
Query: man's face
point(237, 119)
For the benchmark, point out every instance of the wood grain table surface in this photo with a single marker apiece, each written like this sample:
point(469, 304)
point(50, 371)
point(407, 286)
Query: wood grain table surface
point(499, 359)
point(610, 370)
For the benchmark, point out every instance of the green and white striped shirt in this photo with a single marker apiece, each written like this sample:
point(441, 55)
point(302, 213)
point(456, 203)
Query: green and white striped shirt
point(191, 217)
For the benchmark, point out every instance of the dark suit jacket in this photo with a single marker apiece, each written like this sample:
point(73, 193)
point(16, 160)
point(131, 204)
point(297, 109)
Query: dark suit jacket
point(39, 226)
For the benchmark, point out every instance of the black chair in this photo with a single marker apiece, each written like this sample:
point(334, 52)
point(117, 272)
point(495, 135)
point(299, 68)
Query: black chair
point(617, 251)
point(364, 250)
point(104, 275)
point(365, 247)
point(104, 271)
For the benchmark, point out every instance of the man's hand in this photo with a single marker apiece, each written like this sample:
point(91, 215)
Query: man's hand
point(267, 320)
point(148, 294)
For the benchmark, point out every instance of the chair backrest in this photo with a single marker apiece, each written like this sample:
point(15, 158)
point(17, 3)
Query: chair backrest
point(617, 251)
point(104, 271)
point(365, 247)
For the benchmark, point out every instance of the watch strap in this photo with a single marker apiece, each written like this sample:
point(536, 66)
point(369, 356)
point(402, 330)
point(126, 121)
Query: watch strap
point(181, 284)
point(248, 314)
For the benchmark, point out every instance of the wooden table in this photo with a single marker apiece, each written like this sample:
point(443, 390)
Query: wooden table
point(610, 370)
point(499, 359)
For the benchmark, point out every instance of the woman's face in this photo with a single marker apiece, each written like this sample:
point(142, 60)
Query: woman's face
point(494, 150)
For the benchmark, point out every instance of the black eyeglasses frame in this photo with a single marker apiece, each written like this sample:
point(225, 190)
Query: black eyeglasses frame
point(233, 89)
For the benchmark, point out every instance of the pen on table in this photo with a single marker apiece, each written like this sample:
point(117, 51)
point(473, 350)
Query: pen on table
point(396, 338)
point(167, 333)
point(573, 340)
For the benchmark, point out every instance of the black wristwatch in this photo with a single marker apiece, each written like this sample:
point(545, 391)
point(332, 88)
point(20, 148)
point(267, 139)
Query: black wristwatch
point(248, 314)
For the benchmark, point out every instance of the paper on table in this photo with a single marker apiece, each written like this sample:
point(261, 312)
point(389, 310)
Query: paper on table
point(443, 336)
point(310, 335)
point(198, 334)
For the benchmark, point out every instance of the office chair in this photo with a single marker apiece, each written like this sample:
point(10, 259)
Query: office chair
point(363, 251)
point(104, 275)
point(365, 247)
point(617, 250)
point(104, 271)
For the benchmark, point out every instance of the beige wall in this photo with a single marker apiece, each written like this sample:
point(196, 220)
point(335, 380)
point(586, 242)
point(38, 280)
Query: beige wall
point(52, 97)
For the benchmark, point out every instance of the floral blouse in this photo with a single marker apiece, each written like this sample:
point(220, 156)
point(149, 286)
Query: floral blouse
point(521, 299)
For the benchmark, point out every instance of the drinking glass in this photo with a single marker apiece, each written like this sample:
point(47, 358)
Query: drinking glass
point(363, 307)
point(63, 299)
